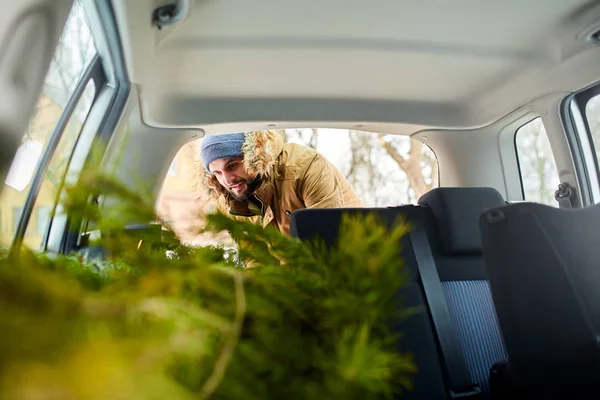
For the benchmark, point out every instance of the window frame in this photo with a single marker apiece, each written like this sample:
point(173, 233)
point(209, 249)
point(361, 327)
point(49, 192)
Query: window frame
point(582, 98)
point(92, 72)
point(103, 25)
point(576, 125)
point(518, 158)
point(99, 78)
point(111, 93)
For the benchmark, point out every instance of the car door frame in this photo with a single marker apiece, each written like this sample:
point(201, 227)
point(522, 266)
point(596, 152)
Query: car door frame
point(112, 89)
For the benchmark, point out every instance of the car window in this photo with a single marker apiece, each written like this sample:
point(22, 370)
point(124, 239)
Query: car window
point(539, 175)
point(16, 215)
point(73, 55)
point(385, 170)
point(592, 114)
point(42, 219)
point(173, 168)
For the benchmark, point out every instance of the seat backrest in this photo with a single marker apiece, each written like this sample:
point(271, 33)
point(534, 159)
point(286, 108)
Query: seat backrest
point(544, 270)
point(456, 244)
point(450, 217)
point(417, 331)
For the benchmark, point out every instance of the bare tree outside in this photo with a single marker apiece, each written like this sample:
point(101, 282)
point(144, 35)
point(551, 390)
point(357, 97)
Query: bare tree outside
point(385, 170)
point(361, 171)
point(539, 174)
point(418, 163)
point(73, 54)
point(307, 137)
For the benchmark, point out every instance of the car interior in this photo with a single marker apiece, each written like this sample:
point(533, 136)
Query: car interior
point(503, 97)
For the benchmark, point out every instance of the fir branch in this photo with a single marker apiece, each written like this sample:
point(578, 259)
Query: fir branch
point(308, 322)
point(227, 352)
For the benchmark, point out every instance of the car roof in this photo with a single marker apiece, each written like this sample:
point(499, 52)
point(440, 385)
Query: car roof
point(395, 66)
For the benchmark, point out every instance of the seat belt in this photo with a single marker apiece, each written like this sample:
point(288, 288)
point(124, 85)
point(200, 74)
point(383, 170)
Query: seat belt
point(461, 385)
point(565, 195)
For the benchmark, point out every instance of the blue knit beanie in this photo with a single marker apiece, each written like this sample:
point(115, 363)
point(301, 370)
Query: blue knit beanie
point(215, 147)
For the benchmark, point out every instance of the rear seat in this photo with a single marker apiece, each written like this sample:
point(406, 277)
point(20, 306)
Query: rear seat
point(450, 218)
point(417, 332)
point(543, 268)
point(457, 249)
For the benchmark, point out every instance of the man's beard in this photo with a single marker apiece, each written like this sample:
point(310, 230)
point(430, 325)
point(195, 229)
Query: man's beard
point(251, 185)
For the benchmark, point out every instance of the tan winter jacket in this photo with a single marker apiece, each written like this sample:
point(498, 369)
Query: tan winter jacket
point(294, 177)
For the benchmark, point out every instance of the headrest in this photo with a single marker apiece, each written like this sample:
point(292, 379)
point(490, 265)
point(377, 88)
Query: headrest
point(457, 211)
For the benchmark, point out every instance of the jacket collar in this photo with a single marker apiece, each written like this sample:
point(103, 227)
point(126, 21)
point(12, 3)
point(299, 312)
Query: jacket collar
point(263, 197)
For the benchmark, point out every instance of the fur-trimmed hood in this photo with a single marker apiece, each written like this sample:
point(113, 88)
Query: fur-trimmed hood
point(261, 150)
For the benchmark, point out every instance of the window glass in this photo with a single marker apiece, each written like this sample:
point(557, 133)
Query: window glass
point(539, 175)
point(51, 184)
point(385, 170)
point(73, 54)
point(592, 114)
point(173, 167)
point(16, 212)
point(42, 219)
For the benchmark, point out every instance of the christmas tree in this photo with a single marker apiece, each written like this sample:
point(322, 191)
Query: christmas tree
point(169, 321)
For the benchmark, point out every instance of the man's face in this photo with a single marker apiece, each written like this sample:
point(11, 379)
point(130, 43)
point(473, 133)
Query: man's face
point(231, 175)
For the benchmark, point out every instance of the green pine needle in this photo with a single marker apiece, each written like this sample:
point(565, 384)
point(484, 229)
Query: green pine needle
point(306, 323)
